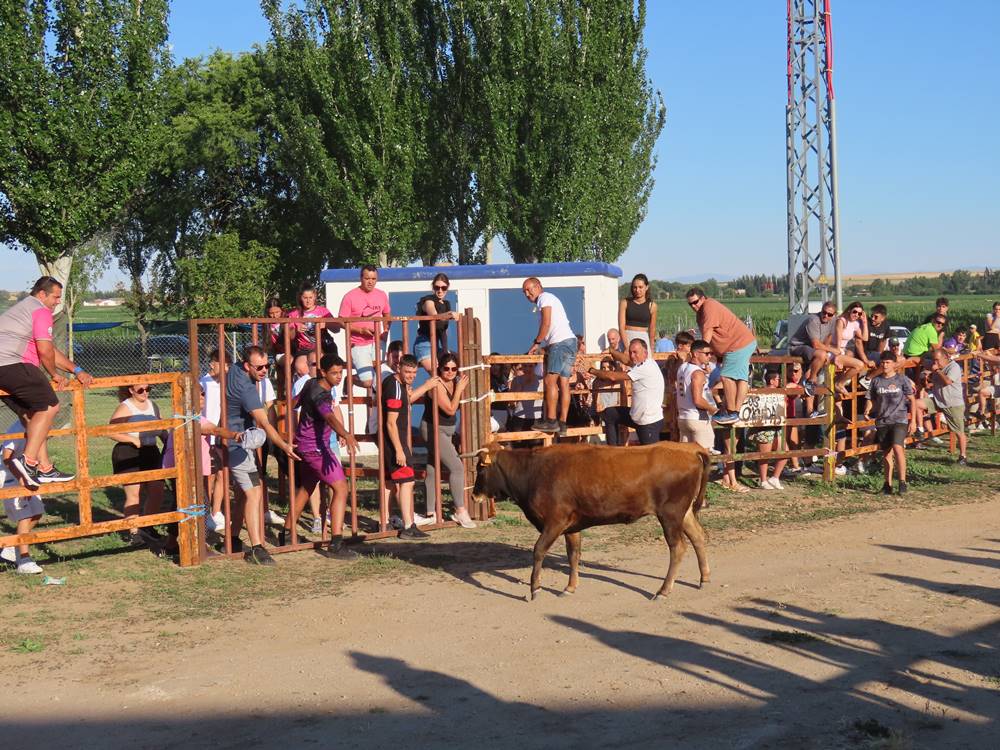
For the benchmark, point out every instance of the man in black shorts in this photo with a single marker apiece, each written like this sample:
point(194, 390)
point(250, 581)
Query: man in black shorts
point(397, 460)
point(891, 397)
point(28, 359)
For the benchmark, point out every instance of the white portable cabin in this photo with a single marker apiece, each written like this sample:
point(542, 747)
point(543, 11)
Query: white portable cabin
point(588, 291)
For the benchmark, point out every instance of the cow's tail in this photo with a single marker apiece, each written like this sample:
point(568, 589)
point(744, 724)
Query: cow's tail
point(706, 470)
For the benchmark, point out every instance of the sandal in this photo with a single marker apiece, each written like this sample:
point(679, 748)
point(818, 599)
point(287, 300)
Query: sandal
point(465, 522)
point(739, 489)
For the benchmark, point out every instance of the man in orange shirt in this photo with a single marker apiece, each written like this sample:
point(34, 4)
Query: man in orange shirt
point(731, 342)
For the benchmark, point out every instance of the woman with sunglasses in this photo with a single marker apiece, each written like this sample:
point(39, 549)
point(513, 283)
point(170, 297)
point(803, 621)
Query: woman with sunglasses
point(138, 451)
point(637, 314)
point(304, 334)
point(449, 396)
point(852, 331)
point(433, 304)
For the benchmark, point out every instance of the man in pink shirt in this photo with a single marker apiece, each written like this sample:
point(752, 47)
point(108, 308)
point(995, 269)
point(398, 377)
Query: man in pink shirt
point(25, 349)
point(365, 301)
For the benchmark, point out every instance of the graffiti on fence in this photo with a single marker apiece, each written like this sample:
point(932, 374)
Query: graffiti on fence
point(763, 409)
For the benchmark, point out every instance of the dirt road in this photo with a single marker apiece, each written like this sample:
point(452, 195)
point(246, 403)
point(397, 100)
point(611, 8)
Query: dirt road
point(880, 630)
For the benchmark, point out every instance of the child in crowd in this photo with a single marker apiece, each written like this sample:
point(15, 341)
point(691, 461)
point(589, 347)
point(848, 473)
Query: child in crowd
point(26, 512)
point(891, 398)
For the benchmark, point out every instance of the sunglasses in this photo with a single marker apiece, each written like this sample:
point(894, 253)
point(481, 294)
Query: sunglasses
point(826, 314)
point(258, 368)
point(438, 288)
point(449, 369)
point(143, 389)
point(693, 302)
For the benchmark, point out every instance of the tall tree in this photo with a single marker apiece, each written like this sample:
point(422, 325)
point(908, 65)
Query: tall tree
point(572, 122)
point(78, 85)
point(224, 279)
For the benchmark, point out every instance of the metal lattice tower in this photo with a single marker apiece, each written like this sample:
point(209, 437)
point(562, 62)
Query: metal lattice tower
point(811, 145)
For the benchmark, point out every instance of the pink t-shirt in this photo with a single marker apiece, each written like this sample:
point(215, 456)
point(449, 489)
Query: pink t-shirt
point(360, 304)
point(41, 328)
point(306, 336)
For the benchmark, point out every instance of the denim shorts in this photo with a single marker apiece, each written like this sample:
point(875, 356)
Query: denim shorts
point(560, 358)
point(736, 365)
point(422, 348)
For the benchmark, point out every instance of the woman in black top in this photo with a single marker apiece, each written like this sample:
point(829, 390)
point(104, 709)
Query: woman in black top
point(637, 314)
point(449, 397)
point(433, 304)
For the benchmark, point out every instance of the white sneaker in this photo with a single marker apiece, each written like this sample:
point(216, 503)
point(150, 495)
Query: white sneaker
point(28, 568)
point(766, 485)
point(216, 522)
point(427, 520)
point(936, 440)
point(273, 519)
point(775, 483)
point(840, 471)
point(8, 554)
point(317, 527)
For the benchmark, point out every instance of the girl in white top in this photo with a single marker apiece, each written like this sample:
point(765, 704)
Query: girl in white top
point(137, 451)
point(852, 330)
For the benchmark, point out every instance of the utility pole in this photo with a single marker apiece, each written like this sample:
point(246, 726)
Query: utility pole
point(811, 147)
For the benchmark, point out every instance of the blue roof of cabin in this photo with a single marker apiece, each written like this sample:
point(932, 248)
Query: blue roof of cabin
point(493, 271)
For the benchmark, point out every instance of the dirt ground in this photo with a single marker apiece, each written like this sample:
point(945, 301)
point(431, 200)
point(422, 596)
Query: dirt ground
point(879, 630)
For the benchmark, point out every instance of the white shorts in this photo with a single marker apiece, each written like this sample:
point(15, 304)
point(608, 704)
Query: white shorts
point(697, 431)
point(19, 508)
point(363, 359)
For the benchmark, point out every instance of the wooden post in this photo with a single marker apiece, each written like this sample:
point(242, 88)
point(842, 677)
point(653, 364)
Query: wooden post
point(189, 529)
point(82, 456)
point(830, 464)
point(198, 489)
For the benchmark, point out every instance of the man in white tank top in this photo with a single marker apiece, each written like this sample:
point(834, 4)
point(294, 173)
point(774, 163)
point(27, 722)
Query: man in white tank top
point(695, 406)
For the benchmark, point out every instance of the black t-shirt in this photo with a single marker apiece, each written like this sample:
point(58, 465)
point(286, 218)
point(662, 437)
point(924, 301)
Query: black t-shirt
point(395, 400)
point(444, 418)
point(876, 335)
point(442, 306)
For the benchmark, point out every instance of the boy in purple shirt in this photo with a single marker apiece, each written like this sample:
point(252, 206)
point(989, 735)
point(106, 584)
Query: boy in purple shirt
point(318, 416)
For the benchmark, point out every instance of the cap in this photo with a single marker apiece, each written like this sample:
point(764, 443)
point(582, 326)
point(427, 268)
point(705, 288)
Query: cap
point(253, 438)
point(972, 326)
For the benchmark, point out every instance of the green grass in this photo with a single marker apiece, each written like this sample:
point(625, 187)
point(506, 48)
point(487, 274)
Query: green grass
point(28, 646)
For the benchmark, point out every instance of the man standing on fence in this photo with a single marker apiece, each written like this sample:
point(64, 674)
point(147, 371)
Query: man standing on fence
point(244, 411)
point(556, 338)
point(28, 358)
point(645, 416)
point(365, 301)
point(730, 341)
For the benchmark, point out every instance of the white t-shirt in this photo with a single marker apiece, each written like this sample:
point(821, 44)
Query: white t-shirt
point(559, 328)
point(299, 384)
point(647, 392)
point(265, 389)
point(7, 477)
point(686, 408)
point(528, 409)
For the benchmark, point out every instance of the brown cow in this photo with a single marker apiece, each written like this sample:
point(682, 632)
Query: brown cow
point(563, 489)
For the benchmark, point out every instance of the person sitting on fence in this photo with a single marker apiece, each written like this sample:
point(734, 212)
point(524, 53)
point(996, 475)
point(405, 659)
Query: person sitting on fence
point(211, 410)
point(878, 334)
point(304, 332)
point(613, 338)
point(25, 349)
point(768, 440)
point(138, 451)
point(449, 391)
point(645, 415)
point(989, 379)
point(948, 397)
point(244, 411)
point(975, 338)
point(992, 320)
point(891, 398)
point(557, 340)
point(527, 378)
point(851, 336)
point(941, 307)
point(733, 343)
point(924, 339)
point(433, 304)
point(815, 342)
point(695, 405)
point(958, 343)
point(637, 314)
point(397, 461)
point(365, 301)
point(319, 415)
point(25, 512)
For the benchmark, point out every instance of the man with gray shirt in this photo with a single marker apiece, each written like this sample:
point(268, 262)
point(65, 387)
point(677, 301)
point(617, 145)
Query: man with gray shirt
point(814, 342)
point(948, 397)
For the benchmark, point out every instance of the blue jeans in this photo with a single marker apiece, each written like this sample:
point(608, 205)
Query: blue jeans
point(618, 416)
point(422, 347)
point(560, 358)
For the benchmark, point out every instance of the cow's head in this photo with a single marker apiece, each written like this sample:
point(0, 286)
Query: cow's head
point(486, 485)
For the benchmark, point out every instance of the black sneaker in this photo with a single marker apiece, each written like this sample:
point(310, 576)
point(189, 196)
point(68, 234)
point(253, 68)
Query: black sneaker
point(546, 425)
point(562, 429)
point(53, 475)
point(28, 473)
point(886, 489)
point(258, 555)
point(963, 461)
point(132, 538)
point(339, 551)
point(414, 534)
point(902, 488)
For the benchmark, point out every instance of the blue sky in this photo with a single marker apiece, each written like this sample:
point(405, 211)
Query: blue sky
point(917, 105)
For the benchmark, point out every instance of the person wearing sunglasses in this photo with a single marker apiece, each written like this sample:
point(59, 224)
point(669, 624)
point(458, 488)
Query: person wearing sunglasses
point(924, 339)
point(814, 343)
point(732, 343)
point(138, 451)
point(245, 410)
point(433, 304)
point(449, 392)
point(850, 335)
